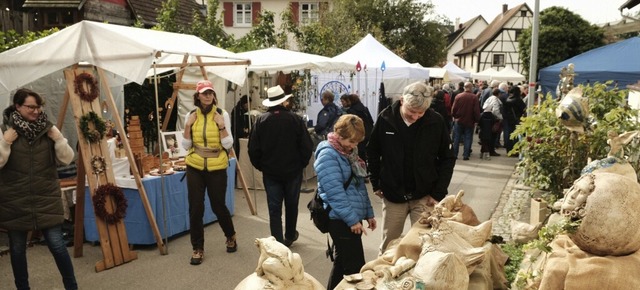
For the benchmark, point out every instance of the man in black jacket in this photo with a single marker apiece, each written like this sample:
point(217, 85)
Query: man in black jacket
point(356, 107)
point(280, 147)
point(410, 159)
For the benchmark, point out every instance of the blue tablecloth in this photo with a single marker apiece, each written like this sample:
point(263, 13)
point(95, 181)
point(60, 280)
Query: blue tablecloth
point(177, 208)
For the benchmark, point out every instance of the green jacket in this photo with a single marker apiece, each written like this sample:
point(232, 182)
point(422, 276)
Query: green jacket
point(29, 187)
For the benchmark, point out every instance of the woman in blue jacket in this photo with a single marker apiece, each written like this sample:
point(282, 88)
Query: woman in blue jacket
point(341, 185)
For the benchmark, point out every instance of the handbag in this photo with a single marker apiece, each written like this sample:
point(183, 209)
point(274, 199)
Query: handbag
point(497, 126)
point(319, 214)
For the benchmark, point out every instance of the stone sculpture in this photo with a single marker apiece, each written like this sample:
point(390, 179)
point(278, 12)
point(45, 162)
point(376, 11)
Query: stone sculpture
point(607, 205)
point(278, 269)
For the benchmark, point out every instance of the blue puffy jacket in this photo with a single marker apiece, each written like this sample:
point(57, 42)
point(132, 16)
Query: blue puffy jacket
point(351, 205)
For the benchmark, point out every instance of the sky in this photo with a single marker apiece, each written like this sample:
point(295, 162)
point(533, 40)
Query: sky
point(594, 11)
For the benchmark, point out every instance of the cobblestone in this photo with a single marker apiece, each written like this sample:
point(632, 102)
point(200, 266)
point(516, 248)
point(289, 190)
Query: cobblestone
point(514, 203)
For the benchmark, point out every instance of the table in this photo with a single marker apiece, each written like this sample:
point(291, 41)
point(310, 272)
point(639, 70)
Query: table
point(177, 208)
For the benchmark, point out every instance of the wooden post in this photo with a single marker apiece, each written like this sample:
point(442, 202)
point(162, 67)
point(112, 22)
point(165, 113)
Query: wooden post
point(134, 167)
point(252, 206)
point(78, 223)
point(171, 102)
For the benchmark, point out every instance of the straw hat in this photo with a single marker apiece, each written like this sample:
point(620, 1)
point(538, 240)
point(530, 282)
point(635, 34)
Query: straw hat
point(275, 97)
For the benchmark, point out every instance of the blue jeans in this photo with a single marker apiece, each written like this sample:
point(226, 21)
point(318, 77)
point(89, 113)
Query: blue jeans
point(466, 134)
point(57, 247)
point(277, 192)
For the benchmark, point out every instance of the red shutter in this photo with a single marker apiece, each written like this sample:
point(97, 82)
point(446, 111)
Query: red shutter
point(255, 11)
point(295, 10)
point(228, 13)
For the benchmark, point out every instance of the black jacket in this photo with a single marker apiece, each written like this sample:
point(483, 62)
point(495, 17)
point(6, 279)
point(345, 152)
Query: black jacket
point(279, 144)
point(433, 157)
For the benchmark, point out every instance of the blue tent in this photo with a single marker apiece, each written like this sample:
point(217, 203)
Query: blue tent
point(618, 61)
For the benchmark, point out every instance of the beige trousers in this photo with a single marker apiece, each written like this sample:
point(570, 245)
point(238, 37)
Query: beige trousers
point(394, 216)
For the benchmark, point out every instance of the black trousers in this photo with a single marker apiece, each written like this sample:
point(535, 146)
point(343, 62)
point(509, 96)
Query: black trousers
point(215, 184)
point(349, 252)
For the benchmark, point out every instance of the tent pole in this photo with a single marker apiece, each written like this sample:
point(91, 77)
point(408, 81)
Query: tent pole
point(134, 167)
point(162, 181)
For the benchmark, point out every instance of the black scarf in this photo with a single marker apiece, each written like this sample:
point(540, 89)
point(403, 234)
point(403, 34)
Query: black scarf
point(30, 130)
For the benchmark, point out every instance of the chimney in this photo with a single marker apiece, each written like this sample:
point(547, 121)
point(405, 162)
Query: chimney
point(457, 23)
point(505, 7)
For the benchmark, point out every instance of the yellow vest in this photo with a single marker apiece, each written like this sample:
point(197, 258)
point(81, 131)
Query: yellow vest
point(205, 134)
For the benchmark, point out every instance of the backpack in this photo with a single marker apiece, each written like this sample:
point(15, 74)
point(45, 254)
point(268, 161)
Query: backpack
point(319, 214)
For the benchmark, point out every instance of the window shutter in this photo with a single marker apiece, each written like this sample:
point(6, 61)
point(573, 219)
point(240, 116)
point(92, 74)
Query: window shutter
point(228, 13)
point(295, 10)
point(255, 11)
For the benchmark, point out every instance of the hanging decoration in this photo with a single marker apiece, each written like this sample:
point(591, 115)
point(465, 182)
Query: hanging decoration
point(91, 83)
point(98, 165)
point(96, 134)
point(100, 199)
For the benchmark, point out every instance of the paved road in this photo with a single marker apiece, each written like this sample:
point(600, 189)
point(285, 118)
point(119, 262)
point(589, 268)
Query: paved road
point(482, 180)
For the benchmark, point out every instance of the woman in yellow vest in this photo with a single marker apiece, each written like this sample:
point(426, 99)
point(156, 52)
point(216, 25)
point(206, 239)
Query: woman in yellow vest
point(207, 139)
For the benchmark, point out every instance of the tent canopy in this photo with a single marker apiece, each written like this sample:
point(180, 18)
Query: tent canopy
point(444, 74)
point(273, 59)
point(618, 61)
point(508, 74)
point(485, 75)
point(125, 51)
point(454, 69)
point(372, 54)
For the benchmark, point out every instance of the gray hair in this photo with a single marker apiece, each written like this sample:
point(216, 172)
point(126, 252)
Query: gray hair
point(417, 96)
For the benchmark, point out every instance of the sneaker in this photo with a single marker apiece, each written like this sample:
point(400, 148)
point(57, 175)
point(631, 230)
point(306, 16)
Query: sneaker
point(288, 242)
point(232, 245)
point(196, 257)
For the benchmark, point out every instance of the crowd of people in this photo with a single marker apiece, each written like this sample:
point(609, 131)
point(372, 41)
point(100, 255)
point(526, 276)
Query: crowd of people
point(408, 155)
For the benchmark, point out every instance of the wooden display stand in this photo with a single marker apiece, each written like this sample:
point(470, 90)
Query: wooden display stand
point(113, 237)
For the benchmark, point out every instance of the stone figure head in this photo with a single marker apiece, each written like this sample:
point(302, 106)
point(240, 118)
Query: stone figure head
point(575, 198)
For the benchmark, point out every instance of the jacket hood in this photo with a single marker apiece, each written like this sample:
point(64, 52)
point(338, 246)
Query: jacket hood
point(6, 114)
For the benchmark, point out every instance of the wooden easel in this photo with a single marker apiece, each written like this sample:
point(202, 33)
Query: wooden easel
point(170, 104)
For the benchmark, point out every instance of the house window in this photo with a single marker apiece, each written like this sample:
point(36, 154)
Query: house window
point(467, 42)
point(498, 59)
point(242, 12)
point(518, 33)
point(58, 18)
point(523, 13)
point(309, 13)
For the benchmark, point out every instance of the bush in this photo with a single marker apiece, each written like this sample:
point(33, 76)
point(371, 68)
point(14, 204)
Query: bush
point(553, 156)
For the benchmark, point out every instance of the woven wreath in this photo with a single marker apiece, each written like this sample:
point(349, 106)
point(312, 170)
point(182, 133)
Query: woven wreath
point(86, 78)
point(92, 135)
point(97, 164)
point(100, 199)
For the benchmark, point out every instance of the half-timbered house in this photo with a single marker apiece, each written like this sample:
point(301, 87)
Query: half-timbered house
point(497, 45)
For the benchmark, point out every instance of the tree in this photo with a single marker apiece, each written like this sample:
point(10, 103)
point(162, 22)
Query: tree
point(262, 35)
point(563, 34)
point(402, 25)
point(167, 17)
point(210, 28)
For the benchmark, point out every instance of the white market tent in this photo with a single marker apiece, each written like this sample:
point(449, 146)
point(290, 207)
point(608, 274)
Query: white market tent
point(116, 51)
point(444, 74)
point(485, 75)
point(508, 74)
point(377, 64)
point(375, 56)
point(272, 60)
point(128, 52)
point(454, 69)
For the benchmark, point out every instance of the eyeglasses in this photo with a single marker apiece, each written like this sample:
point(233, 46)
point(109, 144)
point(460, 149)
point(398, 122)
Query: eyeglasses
point(32, 108)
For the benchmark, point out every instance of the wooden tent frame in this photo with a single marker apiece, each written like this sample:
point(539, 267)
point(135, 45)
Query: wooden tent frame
point(113, 238)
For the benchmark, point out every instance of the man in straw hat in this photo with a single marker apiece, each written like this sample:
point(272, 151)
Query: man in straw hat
point(280, 147)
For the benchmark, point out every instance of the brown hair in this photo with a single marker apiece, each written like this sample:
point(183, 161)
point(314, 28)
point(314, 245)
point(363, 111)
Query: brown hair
point(350, 127)
point(21, 95)
point(196, 101)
